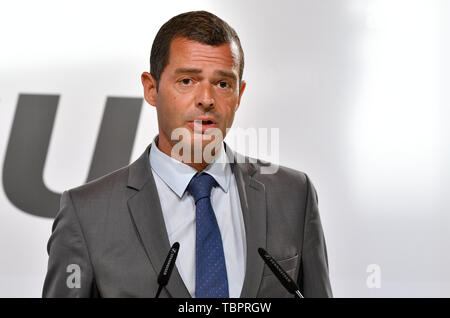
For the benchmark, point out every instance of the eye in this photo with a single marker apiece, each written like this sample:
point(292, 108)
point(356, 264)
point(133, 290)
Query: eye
point(186, 81)
point(223, 84)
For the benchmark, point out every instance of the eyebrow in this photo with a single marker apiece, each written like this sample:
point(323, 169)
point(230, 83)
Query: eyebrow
point(183, 70)
point(226, 74)
point(188, 70)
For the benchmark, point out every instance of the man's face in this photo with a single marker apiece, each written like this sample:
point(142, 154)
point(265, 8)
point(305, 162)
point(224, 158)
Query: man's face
point(200, 82)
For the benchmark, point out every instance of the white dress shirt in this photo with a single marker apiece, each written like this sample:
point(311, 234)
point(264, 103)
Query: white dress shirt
point(178, 207)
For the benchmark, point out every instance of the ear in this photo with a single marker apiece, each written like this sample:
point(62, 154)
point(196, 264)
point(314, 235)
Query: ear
point(149, 84)
point(241, 91)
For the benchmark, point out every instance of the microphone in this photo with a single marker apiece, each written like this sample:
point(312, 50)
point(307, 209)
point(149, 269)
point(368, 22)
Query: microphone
point(166, 270)
point(280, 273)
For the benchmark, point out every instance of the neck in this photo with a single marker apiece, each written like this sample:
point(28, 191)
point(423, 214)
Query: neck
point(166, 147)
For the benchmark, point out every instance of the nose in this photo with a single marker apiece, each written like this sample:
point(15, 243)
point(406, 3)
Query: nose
point(205, 99)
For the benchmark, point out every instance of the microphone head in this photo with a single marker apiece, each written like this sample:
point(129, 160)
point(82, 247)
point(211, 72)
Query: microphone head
point(279, 272)
point(166, 270)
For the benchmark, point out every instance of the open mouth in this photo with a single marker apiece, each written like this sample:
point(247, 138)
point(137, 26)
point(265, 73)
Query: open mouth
point(203, 122)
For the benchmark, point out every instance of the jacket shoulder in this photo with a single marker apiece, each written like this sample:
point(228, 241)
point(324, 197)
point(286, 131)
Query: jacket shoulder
point(265, 170)
point(101, 187)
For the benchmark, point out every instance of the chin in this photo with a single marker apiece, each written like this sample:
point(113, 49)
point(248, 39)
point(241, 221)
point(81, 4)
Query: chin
point(200, 147)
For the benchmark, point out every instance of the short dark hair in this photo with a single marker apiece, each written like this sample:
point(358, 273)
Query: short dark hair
point(199, 26)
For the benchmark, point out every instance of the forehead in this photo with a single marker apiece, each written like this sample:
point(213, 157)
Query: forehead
point(185, 52)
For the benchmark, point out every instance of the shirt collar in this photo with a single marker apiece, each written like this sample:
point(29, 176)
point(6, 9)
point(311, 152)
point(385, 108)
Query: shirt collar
point(177, 175)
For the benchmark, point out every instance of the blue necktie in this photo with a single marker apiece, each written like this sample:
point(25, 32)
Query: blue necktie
point(210, 271)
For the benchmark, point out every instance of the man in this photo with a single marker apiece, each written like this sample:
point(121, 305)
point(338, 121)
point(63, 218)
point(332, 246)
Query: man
point(111, 236)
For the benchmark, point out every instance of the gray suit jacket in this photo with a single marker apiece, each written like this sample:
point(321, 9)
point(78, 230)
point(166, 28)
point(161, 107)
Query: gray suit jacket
point(109, 237)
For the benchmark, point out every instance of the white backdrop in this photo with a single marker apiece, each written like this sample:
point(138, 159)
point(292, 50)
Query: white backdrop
point(358, 89)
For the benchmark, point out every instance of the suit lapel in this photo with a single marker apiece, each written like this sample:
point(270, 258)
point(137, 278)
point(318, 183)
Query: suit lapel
point(252, 195)
point(146, 212)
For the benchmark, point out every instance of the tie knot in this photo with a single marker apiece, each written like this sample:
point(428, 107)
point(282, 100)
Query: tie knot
point(200, 186)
